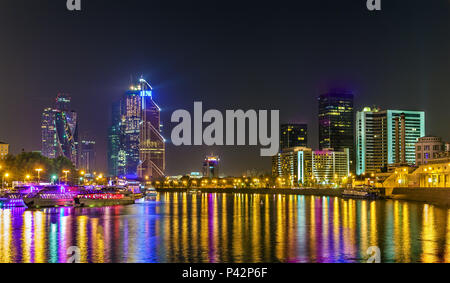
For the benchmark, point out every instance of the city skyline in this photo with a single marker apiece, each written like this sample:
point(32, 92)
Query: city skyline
point(285, 67)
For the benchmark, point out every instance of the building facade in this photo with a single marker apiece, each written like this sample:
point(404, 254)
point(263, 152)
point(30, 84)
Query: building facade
point(4, 150)
point(336, 122)
point(301, 166)
point(87, 156)
point(386, 137)
point(428, 148)
point(136, 146)
point(402, 138)
point(59, 127)
point(293, 135)
point(371, 141)
point(211, 167)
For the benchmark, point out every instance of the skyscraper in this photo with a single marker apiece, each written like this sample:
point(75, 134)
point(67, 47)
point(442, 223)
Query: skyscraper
point(371, 141)
point(386, 137)
point(336, 122)
point(211, 166)
point(151, 142)
point(114, 140)
point(60, 130)
point(293, 135)
point(87, 156)
point(137, 148)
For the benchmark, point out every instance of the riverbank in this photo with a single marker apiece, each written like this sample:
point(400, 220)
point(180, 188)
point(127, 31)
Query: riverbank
point(307, 191)
point(436, 196)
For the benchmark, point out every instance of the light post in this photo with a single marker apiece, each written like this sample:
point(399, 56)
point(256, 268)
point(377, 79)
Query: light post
point(39, 170)
point(6, 175)
point(27, 177)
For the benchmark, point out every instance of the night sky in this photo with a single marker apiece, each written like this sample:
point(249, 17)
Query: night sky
point(228, 54)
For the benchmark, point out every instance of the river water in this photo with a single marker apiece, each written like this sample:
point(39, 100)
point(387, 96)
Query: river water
point(182, 227)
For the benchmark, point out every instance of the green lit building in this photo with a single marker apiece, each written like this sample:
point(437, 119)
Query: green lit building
point(386, 138)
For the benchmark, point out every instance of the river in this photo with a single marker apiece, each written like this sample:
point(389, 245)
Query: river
point(210, 228)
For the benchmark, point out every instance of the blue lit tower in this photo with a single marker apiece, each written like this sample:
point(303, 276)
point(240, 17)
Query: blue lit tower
point(136, 143)
point(151, 142)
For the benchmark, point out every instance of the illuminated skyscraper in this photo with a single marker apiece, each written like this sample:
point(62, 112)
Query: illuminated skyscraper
point(87, 156)
point(293, 135)
point(336, 120)
point(60, 130)
point(211, 166)
point(114, 140)
point(137, 148)
point(151, 142)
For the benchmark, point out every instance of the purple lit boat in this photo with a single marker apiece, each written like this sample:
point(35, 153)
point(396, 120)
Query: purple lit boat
point(15, 198)
point(53, 196)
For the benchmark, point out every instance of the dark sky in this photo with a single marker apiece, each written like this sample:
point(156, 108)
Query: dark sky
point(228, 54)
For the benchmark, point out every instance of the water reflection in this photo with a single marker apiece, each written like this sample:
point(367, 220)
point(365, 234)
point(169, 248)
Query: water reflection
point(178, 227)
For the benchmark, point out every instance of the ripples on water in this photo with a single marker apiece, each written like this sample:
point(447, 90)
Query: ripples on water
point(179, 227)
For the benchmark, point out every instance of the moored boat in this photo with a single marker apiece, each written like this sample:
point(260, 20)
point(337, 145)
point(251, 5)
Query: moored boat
point(52, 196)
point(105, 197)
point(361, 193)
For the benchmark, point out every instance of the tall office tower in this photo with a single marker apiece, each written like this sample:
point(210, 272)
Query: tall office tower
point(371, 141)
point(211, 166)
point(293, 135)
point(114, 140)
point(151, 142)
point(49, 136)
point(404, 128)
point(60, 130)
point(87, 156)
point(387, 137)
point(336, 120)
point(137, 148)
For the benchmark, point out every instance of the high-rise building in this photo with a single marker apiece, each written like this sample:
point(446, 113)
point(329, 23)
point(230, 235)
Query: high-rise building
point(293, 135)
point(303, 166)
point(114, 140)
point(4, 150)
point(87, 156)
point(137, 148)
point(404, 128)
point(211, 166)
point(371, 141)
point(49, 136)
point(386, 137)
point(60, 130)
point(336, 122)
point(151, 142)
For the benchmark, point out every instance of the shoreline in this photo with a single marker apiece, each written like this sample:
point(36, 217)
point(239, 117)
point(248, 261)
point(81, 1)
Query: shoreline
point(433, 196)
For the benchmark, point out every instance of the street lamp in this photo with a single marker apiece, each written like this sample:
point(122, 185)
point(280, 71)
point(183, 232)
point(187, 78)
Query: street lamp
point(3, 179)
point(39, 170)
point(27, 177)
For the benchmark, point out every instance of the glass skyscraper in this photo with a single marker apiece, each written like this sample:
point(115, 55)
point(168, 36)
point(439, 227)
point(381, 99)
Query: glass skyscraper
point(293, 135)
point(60, 130)
point(136, 146)
point(87, 156)
point(336, 122)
